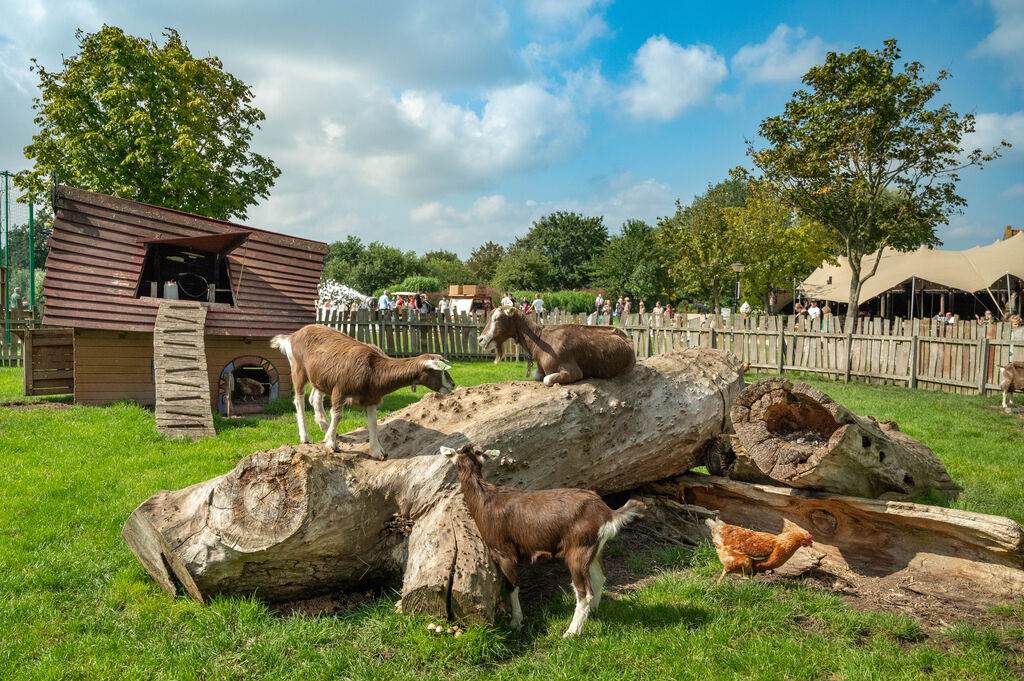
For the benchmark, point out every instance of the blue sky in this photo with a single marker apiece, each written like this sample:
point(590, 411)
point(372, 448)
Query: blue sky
point(445, 124)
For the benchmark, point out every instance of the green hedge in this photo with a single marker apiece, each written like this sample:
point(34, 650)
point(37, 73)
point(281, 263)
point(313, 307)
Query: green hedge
point(566, 301)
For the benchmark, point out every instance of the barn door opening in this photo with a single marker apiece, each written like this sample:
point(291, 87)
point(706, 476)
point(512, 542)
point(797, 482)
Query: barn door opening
point(247, 384)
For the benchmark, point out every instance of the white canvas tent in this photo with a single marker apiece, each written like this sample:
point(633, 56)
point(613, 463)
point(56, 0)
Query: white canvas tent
point(979, 269)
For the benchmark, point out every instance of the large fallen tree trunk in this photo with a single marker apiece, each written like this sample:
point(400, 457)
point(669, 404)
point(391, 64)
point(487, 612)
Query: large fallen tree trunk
point(298, 521)
point(945, 553)
point(794, 434)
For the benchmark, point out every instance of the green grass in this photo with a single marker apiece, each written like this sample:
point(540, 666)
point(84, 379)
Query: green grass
point(74, 603)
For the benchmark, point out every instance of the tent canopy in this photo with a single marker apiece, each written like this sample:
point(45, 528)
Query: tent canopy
point(972, 270)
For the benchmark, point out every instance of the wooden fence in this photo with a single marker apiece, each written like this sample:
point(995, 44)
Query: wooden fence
point(962, 357)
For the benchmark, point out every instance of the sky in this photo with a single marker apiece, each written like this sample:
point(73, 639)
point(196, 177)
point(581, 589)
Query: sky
point(449, 123)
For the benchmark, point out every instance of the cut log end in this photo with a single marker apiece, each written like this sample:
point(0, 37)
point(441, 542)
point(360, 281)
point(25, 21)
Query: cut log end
point(797, 435)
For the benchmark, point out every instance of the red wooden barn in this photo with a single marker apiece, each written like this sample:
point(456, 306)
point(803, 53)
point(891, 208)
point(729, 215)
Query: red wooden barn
point(112, 262)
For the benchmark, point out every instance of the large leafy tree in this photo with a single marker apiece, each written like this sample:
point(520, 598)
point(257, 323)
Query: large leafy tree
point(523, 269)
point(775, 244)
point(627, 266)
point(446, 267)
point(697, 246)
point(342, 258)
point(483, 262)
point(860, 152)
point(128, 117)
point(569, 241)
point(381, 266)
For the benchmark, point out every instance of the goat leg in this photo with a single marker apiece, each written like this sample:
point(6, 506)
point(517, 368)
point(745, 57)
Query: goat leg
point(300, 413)
point(371, 428)
point(316, 400)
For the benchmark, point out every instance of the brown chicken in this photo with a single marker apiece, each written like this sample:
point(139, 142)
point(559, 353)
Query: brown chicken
point(749, 552)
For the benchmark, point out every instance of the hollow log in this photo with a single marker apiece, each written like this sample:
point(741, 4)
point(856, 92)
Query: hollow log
point(298, 521)
point(944, 553)
point(796, 435)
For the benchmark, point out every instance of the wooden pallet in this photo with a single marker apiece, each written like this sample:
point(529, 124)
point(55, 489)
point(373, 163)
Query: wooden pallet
point(179, 361)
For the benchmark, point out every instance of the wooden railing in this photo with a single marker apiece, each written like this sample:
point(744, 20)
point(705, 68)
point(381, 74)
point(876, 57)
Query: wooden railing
point(961, 357)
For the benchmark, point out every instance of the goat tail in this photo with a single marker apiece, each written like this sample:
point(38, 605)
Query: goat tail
point(631, 510)
point(284, 344)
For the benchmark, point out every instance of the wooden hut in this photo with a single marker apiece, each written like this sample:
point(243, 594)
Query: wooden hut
point(114, 264)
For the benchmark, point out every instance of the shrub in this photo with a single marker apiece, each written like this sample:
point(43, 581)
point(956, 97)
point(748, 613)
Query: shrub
point(572, 302)
point(418, 283)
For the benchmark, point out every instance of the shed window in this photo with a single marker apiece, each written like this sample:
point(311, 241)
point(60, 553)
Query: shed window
point(192, 268)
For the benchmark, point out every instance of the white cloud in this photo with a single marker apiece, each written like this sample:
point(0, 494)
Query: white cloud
point(1014, 192)
point(1007, 40)
point(785, 55)
point(992, 128)
point(494, 218)
point(561, 11)
point(670, 78)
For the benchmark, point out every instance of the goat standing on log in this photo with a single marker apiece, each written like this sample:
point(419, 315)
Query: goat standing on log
point(571, 524)
point(565, 353)
point(1013, 381)
point(354, 373)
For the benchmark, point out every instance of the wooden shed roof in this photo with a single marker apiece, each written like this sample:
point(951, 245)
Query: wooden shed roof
point(98, 249)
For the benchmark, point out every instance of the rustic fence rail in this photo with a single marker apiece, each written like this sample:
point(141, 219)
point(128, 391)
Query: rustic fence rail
point(962, 357)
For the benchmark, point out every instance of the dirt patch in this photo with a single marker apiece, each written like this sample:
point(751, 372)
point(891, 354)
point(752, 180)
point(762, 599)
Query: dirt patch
point(327, 604)
point(29, 406)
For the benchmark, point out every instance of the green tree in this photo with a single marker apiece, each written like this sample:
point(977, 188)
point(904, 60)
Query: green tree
point(446, 267)
point(697, 245)
point(42, 228)
point(627, 266)
point(341, 260)
point(860, 152)
point(128, 117)
point(569, 241)
point(381, 266)
point(523, 269)
point(774, 243)
point(483, 262)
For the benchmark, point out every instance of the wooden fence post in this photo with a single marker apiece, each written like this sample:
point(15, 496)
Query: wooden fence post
point(915, 342)
point(982, 365)
point(782, 345)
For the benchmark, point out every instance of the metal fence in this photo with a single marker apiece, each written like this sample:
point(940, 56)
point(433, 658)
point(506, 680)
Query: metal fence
point(961, 357)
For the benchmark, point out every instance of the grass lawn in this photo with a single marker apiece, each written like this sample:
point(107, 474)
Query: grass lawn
point(74, 603)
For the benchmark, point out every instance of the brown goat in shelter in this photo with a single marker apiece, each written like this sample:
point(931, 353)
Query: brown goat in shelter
point(351, 373)
point(571, 524)
point(1013, 381)
point(564, 353)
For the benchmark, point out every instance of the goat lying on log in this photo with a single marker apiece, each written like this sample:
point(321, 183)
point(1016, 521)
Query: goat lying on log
point(571, 524)
point(565, 353)
point(354, 373)
point(1013, 381)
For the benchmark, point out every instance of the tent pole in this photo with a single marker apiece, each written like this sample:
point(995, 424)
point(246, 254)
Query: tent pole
point(913, 293)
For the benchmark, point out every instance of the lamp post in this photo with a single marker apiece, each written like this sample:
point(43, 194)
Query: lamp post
point(737, 267)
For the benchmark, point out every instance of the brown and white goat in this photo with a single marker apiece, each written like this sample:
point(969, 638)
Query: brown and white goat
point(351, 373)
point(571, 524)
point(565, 353)
point(1013, 381)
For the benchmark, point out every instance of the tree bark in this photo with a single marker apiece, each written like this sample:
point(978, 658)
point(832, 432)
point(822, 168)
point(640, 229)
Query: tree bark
point(797, 435)
point(299, 521)
point(876, 545)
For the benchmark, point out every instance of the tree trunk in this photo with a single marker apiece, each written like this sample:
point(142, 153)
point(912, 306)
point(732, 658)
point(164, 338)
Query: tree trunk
point(879, 546)
point(853, 303)
point(796, 435)
point(298, 521)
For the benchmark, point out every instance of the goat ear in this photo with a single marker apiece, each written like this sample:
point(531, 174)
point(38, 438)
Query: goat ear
point(447, 451)
point(436, 364)
point(492, 453)
point(509, 311)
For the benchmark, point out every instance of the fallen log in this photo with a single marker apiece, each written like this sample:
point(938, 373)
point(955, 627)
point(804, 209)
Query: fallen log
point(796, 435)
point(298, 521)
point(945, 553)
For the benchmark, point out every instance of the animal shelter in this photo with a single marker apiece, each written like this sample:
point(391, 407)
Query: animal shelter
point(151, 294)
